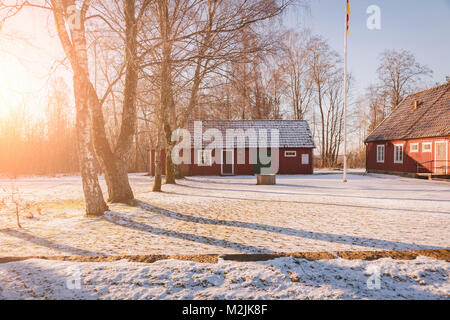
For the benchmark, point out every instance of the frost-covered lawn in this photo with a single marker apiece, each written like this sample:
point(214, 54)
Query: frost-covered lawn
point(220, 215)
point(232, 215)
point(285, 278)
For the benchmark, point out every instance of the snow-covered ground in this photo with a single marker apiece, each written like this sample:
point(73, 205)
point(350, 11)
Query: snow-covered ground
point(220, 215)
point(232, 215)
point(284, 278)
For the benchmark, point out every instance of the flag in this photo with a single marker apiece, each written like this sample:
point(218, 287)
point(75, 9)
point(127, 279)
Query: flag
point(348, 16)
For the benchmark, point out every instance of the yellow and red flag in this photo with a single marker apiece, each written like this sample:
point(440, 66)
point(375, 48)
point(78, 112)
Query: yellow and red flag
point(348, 16)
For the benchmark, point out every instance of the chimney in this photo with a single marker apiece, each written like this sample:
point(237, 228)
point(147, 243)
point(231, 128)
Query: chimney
point(416, 104)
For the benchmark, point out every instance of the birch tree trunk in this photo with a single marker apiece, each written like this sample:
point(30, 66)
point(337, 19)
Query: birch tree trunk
point(95, 204)
point(76, 51)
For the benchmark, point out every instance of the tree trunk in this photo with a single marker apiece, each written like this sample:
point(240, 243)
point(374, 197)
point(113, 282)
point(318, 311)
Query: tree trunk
point(170, 167)
point(129, 114)
point(158, 180)
point(95, 204)
point(178, 173)
point(322, 156)
point(115, 163)
point(167, 104)
point(75, 49)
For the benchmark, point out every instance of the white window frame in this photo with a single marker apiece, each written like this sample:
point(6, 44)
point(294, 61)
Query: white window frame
point(381, 146)
point(201, 156)
point(411, 147)
point(395, 153)
point(290, 154)
point(427, 144)
point(305, 163)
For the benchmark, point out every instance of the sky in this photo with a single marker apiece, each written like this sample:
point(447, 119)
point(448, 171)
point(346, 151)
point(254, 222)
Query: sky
point(421, 27)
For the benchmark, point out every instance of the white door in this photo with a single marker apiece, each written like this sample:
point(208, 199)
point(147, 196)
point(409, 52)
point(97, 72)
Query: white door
point(440, 158)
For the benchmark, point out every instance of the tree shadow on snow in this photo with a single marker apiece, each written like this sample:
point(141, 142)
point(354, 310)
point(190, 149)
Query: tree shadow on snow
point(306, 187)
point(304, 202)
point(23, 235)
point(124, 221)
point(328, 237)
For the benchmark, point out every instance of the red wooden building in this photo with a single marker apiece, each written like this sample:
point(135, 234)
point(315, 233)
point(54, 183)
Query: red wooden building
point(415, 137)
point(295, 148)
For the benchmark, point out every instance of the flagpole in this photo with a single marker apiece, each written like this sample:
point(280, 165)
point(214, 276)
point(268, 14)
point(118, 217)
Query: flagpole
point(345, 93)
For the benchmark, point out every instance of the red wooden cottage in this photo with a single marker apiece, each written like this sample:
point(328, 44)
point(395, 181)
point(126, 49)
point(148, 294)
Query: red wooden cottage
point(295, 148)
point(415, 137)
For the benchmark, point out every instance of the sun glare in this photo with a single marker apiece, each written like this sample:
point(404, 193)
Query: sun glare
point(22, 82)
point(15, 83)
point(27, 53)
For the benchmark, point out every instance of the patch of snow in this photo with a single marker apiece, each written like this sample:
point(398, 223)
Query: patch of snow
point(220, 215)
point(284, 278)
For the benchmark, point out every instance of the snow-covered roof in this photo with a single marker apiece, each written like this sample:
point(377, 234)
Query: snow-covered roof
point(292, 133)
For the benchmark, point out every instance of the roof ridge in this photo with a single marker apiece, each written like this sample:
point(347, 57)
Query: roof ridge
point(429, 89)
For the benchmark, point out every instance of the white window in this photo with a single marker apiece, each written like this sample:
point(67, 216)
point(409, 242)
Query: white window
point(205, 158)
point(426, 147)
point(398, 153)
point(290, 154)
point(414, 147)
point(380, 153)
point(305, 159)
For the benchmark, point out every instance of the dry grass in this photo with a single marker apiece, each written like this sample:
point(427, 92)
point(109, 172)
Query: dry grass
point(438, 254)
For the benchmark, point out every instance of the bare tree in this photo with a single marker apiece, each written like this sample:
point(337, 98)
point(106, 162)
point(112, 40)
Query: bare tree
point(195, 39)
point(398, 72)
point(74, 45)
point(299, 83)
point(323, 69)
point(115, 161)
point(379, 104)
